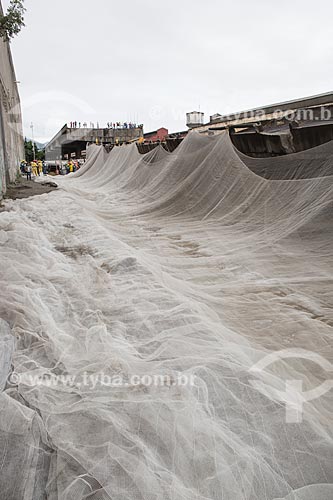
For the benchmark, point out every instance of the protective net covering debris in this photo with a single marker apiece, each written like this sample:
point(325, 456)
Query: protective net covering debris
point(189, 267)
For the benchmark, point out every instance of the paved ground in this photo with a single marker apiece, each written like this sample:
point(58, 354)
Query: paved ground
point(24, 189)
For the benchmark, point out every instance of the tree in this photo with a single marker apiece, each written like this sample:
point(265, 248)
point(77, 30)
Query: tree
point(28, 148)
point(12, 23)
point(40, 155)
point(29, 151)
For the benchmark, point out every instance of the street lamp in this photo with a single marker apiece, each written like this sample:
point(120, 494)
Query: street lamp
point(33, 142)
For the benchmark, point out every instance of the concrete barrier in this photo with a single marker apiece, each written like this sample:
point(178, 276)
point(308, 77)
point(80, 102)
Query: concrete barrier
point(11, 135)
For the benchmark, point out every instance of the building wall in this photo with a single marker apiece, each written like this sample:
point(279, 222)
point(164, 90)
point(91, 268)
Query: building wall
point(11, 136)
point(2, 155)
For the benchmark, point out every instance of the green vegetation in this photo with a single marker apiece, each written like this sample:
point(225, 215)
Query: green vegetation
point(12, 22)
point(29, 151)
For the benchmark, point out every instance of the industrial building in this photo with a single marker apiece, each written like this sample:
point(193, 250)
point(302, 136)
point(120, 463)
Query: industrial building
point(271, 130)
point(11, 135)
point(277, 129)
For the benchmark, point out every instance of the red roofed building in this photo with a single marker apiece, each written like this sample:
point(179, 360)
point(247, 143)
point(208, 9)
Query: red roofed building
point(156, 135)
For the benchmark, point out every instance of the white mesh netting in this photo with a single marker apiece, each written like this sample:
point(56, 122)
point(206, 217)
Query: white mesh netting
point(166, 264)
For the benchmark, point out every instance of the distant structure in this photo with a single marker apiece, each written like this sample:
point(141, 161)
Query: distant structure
point(72, 142)
point(272, 130)
point(277, 129)
point(194, 119)
point(11, 135)
point(303, 109)
point(156, 135)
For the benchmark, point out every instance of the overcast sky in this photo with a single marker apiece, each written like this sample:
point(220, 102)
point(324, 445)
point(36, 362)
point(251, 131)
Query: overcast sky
point(151, 62)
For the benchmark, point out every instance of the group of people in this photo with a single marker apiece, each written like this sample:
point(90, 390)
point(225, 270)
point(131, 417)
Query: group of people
point(68, 168)
point(123, 125)
point(76, 124)
point(84, 125)
point(35, 167)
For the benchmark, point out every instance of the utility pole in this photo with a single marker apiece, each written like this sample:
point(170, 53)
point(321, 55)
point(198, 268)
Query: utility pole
point(33, 142)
